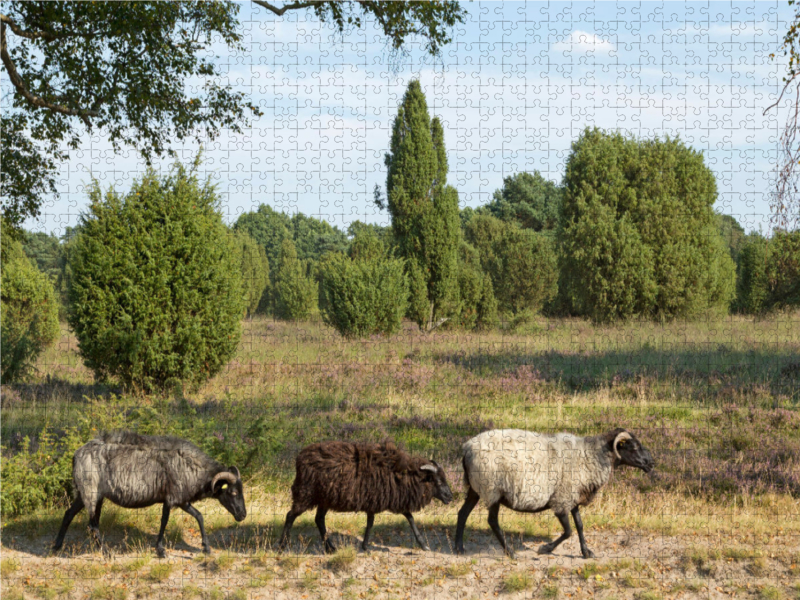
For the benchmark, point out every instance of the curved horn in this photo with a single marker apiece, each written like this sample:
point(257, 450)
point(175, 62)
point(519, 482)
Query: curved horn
point(430, 468)
point(235, 471)
point(223, 476)
point(624, 435)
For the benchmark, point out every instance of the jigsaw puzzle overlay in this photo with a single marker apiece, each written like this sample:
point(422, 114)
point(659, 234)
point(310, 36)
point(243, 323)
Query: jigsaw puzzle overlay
point(521, 447)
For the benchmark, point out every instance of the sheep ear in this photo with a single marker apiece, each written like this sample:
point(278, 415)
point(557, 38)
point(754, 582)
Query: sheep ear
point(431, 468)
point(624, 435)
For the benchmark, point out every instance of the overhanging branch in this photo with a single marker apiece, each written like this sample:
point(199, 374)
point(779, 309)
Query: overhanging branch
point(38, 101)
point(280, 10)
point(31, 35)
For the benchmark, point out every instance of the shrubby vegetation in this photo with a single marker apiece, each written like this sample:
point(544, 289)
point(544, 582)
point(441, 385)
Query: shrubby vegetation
point(155, 293)
point(29, 306)
point(364, 292)
point(255, 273)
point(295, 289)
point(638, 235)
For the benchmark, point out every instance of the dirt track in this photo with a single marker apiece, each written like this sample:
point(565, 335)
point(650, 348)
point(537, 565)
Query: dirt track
point(628, 565)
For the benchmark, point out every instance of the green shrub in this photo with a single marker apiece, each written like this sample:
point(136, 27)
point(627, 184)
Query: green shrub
point(29, 306)
point(255, 273)
point(783, 269)
point(638, 235)
point(364, 293)
point(477, 302)
point(155, 293)
point(295, 291)
point(522, 263)
point(752, 287)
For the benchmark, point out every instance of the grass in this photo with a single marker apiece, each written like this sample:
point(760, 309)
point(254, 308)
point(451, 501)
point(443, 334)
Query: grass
point(770, 592)
point(550, 591)
point(342, 558)
point(458, 569)
point(517, 582)
point(108, 592)
point(758, 567)
point(8, 566)
point(159, 572)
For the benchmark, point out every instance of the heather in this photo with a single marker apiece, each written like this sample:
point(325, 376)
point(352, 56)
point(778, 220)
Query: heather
point(716, 401)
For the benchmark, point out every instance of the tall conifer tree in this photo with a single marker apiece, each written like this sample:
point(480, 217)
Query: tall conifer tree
point(424, 210)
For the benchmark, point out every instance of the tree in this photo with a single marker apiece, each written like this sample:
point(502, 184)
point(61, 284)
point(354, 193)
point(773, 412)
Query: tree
point(783, 269)
point(29, 322)
point(477, 308)
point(521, 263)
point(786, 195)
point(155, 293)
point(732, 234)
point(268, 227)
point(638, 235)
point(424, 209)
point(132, 69)
point(364, 293)
point(295, 291)
point(752, 286)
point(255, 272)
point(528, 199)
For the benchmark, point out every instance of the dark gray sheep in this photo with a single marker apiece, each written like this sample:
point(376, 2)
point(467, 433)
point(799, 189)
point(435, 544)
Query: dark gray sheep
point(371, 478)
point(135, 471)
point(531, 472)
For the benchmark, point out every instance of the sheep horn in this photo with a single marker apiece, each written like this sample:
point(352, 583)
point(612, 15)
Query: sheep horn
point(223, 476)
point(624, 435)
point(430, 468)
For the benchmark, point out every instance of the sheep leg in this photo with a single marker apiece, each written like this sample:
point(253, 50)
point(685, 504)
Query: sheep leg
point(370, 523)
point(94, 523)
point(323, 532)
point(494, 511)
point(576, 516)
point(466, 509)
point(287, 526)
point(73, 510)
point(410, 518)
point(564, 520)
point(196, 514)
point(160, 539)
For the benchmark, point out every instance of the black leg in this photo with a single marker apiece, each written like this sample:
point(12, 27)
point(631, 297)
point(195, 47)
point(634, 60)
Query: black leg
point(494, 511)
point(370, 523)
point(466, 509)
point(323, 532)
point(94, 523)
point(73, 510)
point(196, 514)
point(410, 518)
point(564, 520)
point(287, 526)
point(160, 539)
point(576, 516)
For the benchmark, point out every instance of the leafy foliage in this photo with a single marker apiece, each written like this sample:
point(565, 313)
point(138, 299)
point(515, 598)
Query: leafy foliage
point(752, 287)
point(783, 269)
point(529, 200)
point(29, 311)
point(424, 209)
point(521, 262)
point(119, 67)
point(255, 273)
point(155, 293)
point(364, 293)
point(295, 290)
point(477, 303)
point(732, 234)
point(638, 235)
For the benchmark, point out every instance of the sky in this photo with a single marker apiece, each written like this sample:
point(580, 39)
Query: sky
point(517, 86)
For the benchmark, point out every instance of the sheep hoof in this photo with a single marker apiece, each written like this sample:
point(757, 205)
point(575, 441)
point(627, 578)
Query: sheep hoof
point(206, 549)
point(510, 553)
point(329, 547)
point(424, 548)
point(587, 553)
point(365, 547)
point(160, 553)
point(545, 549)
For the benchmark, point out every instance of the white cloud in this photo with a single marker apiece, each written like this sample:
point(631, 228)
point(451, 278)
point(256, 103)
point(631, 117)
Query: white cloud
point(582, 41)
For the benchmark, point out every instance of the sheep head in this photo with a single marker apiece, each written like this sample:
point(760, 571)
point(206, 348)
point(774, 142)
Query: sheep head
point(227, 488)
point(434, 474)
point(630, 451)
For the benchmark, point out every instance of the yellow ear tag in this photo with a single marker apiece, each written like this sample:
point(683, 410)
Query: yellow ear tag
point(224, 486)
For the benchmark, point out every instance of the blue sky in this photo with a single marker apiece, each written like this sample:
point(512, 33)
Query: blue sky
point(517, 86)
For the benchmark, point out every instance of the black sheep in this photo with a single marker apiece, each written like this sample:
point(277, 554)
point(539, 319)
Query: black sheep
point(371, 478)
point(135, 471)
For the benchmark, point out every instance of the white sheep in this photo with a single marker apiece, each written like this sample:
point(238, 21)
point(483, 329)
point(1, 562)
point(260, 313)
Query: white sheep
point(532, 472)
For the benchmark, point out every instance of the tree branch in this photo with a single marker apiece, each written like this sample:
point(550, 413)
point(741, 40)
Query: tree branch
point(31, 35)
point(283, 9)
point(37, 101)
